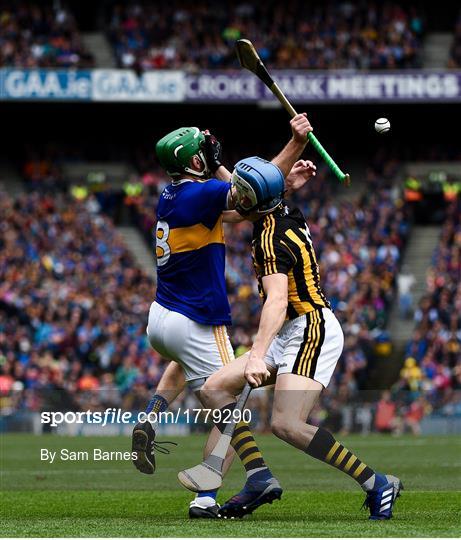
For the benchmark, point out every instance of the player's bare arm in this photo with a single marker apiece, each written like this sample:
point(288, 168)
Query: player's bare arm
point(272, 317)
point(302, 172)
point(300, 127)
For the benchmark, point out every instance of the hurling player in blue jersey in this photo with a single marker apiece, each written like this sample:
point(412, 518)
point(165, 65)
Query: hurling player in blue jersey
point(187, 320)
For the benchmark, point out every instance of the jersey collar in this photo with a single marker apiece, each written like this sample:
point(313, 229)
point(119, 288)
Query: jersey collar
point(182, 181)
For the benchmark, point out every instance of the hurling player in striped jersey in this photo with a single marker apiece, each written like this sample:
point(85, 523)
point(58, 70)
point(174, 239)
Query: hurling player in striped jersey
point(298, 343)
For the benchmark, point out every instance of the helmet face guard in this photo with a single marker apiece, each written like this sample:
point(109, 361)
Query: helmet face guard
point(247, 200)
point(259, 186)
point(176, 149)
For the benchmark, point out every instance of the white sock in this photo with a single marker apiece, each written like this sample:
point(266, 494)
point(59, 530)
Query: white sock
point(369, 484)
point(204, 501)
point(253, 471)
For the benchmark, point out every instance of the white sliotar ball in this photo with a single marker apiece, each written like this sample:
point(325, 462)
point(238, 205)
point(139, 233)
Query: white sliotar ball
point(382, 125)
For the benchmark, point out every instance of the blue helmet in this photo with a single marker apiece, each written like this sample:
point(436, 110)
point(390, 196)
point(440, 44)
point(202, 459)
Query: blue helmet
point(259, 185)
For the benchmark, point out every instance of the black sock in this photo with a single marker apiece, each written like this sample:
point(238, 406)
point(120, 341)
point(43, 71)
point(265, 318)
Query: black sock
point(326, 448)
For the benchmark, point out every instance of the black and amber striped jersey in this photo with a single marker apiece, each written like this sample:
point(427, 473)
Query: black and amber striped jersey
point(282, 244)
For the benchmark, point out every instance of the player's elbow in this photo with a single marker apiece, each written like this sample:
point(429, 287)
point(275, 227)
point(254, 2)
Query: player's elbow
point(278, 301)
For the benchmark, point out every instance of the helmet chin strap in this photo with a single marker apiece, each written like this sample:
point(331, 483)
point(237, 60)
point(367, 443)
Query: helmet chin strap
point(206, 173)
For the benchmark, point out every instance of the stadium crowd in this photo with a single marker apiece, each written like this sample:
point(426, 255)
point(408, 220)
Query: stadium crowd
point(34, 35)
point(58, 255)
point(293, 34)
point(73, 306)
point(433, 357)
point(60, 252)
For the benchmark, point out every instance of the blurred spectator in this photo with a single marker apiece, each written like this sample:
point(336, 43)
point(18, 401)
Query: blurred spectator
point(33, 35)
point(405, 283)
point(413, 414)
point(385, 413)
point(411, 375)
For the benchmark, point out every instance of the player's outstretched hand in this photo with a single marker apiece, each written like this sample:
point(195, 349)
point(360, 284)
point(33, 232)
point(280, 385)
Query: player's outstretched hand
point(301, 172)
point(300, 127)
point(212, 150)
point(256, 371)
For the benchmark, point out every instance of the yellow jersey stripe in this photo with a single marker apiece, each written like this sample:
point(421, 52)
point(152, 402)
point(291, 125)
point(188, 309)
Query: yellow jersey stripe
point(266, 249)
point(222, 330)
point(300, 306)
point(219, 345)
point(195, 237)
point(224, 343)
point(316, 341)
point(310, 273)
point(263, 246)
point(305, 349)
point(271, 244)
point(307, 355)
point(314, 284)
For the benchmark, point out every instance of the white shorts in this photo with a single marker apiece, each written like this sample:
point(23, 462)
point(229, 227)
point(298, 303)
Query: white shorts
point(200, 349)
point(309, 345)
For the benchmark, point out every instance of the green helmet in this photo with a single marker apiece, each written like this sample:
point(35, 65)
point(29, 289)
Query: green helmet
point(176, 149)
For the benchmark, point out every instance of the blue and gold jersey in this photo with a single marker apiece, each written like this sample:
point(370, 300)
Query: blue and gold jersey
point(190, 251)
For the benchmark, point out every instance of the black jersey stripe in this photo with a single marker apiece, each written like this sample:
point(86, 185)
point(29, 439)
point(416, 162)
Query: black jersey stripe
point(271, 244)
point(263, 246)
point(316, 349)
point(282, 244)
point(300, 269)
point(303, 346)
point(267, 255)
point(315, 357)
point(315, 274)
point(306, 361)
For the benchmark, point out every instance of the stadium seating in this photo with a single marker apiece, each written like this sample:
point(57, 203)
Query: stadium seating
point(433, 357)
point(73, 305)
point(39, 36)
point(294, 34)
point(56, 336)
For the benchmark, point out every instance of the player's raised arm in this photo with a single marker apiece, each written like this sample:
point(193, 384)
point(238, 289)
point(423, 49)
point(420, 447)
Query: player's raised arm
point(212, 151)
point(300, 127)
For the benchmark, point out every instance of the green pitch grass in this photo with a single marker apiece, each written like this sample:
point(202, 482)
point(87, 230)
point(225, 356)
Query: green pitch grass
point(90, 498)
